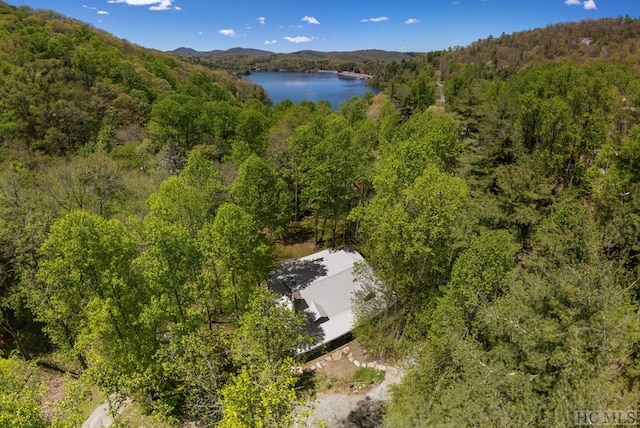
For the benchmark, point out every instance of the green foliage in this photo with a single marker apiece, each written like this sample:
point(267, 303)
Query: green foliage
point(260, 396)
point(24, 220)
point(92, 183)
point(367, 375)
point(527, 353)
point(553, 115)
point(220, 121)
point(238, 254)
point(258, 189)
point(614, 182)
point(191, 198)
point(197, 364)
point(269, 332)
point(501, 237)
point(85, 267)
point(478, 277)
point(408, 240)
point(288, 141)
point(567, 237)
point(62, 81)
point(427, 138)
point(177, 117)
point(354, 110)
point(251, 127)
point(523, 195)
point(331, 167)
point(170, 266)
point(423, 90)
point(19, 396)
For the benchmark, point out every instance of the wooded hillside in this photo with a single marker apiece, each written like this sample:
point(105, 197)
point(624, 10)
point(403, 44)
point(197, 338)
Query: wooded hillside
point(494, 191)
point(247, 60)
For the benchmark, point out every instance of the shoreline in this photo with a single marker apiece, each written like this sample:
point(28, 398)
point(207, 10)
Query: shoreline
point(347, 74)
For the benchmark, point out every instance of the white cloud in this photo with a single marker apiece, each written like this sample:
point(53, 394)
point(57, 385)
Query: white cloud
point(261, 20)
point(89, 7)
point(311, 20)
point(153, 4)
point(412, 21)
point(137, 2)
point(270, 42)
point(587, 4)
point(378, 19)
point(102, 12)
point(162, 5)
point(298, 39)
point(229, 32)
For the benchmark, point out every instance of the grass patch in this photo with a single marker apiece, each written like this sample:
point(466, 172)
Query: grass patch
point(325, 383)
point(92, 399)
point(294, 251)
point(367, 375)
point(134, 417)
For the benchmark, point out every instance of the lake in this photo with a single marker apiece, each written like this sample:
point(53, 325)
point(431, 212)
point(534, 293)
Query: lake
point(313, 87)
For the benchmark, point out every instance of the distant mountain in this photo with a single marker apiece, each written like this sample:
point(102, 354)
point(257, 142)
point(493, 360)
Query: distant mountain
point(245, 60)
point(188, 52)
point(64, 82)
point(358, 55)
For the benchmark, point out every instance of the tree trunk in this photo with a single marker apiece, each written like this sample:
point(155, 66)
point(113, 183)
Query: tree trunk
point(178, 303)
point(333, 234)
point(324, 227)
point(315, 238)
point(218, 289)
point(295, 200)
point(235, 295)
point(15, 335)
point(360, 202)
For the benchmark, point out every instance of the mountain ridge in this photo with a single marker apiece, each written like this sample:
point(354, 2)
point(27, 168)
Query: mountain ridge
point(371, 54)
point(245, 60)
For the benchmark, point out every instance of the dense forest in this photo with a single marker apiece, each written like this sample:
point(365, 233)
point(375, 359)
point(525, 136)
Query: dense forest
point(241, 60)
point(494, 191)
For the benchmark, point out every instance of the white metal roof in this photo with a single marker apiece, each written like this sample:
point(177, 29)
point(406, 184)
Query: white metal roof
point(326, 284)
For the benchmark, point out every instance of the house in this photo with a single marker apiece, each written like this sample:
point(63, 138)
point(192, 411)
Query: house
point(321, 286)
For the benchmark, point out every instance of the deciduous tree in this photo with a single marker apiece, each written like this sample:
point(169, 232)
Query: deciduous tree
point(258, 189)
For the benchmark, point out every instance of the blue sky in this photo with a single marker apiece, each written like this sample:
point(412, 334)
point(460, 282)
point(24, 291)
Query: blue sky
point(328, 25)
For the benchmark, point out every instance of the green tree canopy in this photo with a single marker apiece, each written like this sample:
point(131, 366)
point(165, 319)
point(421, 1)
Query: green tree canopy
point(232, 245)
point(262, 193)
point(87, 288)
point(269, 331)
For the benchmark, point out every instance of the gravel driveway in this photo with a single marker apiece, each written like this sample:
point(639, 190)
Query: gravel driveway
point(333, 409)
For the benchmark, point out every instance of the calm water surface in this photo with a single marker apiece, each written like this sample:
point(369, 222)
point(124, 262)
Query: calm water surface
point(310, 86)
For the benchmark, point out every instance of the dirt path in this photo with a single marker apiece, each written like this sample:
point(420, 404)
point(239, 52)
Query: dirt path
point(441, 98)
